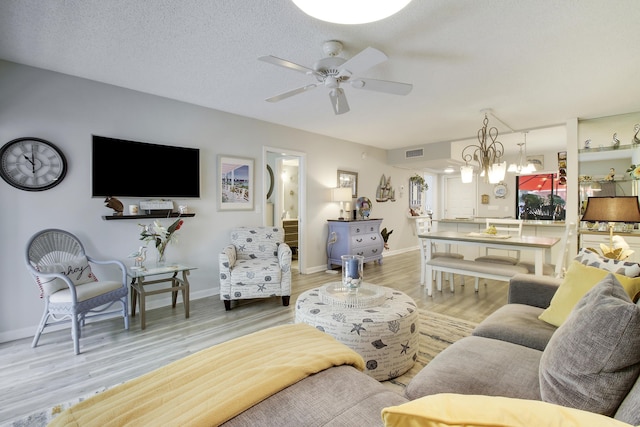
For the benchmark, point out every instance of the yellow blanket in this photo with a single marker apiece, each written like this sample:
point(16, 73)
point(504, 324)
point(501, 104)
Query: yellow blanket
point(216, 384)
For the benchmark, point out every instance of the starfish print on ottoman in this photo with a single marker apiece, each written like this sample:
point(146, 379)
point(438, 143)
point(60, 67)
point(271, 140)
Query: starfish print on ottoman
point(357, 327)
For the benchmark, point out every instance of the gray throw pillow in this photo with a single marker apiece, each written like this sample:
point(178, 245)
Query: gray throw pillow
point(593, 359)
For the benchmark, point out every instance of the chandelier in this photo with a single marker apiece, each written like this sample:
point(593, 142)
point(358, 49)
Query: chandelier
point(350, 11)
point(522, 166)
point(488, 155)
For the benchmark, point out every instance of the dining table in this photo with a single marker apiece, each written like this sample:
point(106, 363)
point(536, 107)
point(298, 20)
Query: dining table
point(539, 245)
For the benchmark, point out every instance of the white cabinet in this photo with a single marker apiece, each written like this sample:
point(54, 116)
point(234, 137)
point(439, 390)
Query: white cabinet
point(592, 239)
point(354, 238)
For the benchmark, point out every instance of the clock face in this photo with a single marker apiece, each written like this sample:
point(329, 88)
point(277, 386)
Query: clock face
point(32, 164)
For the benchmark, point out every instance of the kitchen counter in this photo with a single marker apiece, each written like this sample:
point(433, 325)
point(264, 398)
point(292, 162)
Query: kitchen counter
point(483, 220)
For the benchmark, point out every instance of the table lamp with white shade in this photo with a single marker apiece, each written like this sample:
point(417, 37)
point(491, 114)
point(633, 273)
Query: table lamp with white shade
point(342, 195)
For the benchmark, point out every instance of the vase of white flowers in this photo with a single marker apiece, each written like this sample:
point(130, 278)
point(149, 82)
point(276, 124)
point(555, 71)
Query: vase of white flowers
point(161, 236)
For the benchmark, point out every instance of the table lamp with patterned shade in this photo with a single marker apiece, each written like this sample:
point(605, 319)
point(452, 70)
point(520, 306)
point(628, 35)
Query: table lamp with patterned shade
point(612, 210)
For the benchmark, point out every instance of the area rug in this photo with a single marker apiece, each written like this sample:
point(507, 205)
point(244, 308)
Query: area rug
point(437, 331)
point(42, 417)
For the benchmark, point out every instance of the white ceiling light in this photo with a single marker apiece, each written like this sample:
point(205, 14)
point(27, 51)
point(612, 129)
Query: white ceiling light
point(522, 166)
point(448, 169)
point(466, 174)
point(496, 172)
point(350, 11)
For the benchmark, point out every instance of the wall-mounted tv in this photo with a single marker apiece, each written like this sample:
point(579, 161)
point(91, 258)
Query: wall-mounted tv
point(122, 168)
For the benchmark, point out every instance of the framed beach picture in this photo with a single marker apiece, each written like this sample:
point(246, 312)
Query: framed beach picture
point(348, 180)
point(235, 183)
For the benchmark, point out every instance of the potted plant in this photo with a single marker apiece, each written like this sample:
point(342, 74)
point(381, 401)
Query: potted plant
point(419, 180)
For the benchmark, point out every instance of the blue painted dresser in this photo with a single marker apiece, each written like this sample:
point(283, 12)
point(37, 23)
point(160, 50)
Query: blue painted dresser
point(355, 237)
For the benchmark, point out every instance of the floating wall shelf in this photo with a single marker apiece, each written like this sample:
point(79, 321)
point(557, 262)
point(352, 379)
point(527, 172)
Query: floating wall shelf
point(171, 215)
point(605, 153)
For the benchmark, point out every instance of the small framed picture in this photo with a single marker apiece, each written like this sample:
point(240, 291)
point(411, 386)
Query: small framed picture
point(235, 183)
point(537, 161)
point(348, 179)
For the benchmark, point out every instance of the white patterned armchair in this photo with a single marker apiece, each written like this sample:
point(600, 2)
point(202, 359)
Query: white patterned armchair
point(257, 264)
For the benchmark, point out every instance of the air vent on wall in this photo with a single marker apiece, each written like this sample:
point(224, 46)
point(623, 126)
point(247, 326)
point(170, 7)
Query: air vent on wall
point(410, 154)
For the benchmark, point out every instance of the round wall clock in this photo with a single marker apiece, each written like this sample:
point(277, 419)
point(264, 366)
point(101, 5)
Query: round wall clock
point(500, 191)
point(32, 164)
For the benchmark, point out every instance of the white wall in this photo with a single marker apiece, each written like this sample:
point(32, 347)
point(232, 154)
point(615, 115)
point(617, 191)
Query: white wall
point(67, 111)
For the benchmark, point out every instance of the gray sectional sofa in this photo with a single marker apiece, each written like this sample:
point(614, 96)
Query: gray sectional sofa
point(503, 357)
point(514, 354)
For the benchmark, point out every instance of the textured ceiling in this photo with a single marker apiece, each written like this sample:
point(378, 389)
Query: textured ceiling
point(535, 63)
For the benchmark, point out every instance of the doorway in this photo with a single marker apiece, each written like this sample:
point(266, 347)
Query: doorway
point(284, 201)
point(459, 199)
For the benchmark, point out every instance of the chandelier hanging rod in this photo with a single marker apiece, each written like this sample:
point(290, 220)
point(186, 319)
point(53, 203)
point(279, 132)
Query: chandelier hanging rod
point(492, 114)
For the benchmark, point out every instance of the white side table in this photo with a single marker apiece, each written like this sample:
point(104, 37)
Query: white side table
point(384, 332)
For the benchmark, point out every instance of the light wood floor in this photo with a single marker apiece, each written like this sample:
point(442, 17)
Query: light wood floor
point(31, 379)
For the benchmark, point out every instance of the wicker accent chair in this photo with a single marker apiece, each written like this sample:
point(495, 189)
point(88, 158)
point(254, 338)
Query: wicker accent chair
point(256, 264)
point(71, 292)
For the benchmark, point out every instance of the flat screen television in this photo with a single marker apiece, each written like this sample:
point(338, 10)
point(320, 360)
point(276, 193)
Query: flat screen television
point(122, 168)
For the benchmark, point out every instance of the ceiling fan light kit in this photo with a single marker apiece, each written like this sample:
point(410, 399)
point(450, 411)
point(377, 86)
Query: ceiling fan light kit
point(351, 11)
point(333, 70)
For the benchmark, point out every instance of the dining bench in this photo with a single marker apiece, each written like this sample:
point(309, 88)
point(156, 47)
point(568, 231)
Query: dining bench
point(477, 269)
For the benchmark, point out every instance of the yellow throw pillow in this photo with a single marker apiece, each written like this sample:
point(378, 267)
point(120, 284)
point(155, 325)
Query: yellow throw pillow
point(440, 410)
point(577, 282)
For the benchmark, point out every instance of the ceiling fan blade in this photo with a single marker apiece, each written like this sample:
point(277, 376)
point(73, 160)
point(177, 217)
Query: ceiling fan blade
point(394, 88)
point(364, 60)
point(290, 93)
point(287, 64)
point(339, 101)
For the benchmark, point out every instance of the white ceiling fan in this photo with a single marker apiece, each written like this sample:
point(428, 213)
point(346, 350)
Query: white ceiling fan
point(334, 70)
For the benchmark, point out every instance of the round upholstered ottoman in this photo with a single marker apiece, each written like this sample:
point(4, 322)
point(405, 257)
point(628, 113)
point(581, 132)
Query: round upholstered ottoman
point(381, 325)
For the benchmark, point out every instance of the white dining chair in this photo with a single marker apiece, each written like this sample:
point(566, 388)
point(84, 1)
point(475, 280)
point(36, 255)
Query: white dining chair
point(560, 267)
point(503, 226)
point(424, 226)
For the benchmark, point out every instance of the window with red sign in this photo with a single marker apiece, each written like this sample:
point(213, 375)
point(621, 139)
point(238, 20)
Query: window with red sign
point(541, 196)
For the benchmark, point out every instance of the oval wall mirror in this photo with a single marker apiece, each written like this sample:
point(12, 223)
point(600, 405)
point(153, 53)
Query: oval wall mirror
point(271, 181)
